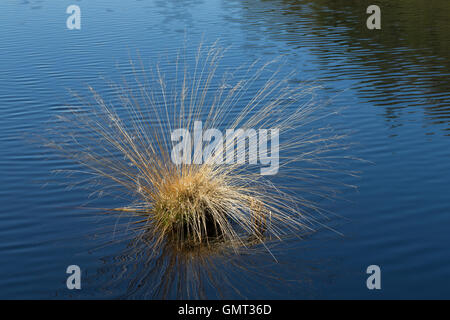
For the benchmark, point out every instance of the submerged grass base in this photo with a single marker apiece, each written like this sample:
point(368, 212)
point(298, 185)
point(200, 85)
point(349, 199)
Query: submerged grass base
point(189, 208)
point(198, 205)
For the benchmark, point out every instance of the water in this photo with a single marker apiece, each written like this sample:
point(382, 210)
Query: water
point(392, 86)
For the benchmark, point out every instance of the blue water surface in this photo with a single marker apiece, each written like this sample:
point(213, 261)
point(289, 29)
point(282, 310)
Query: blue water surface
point(391, 87)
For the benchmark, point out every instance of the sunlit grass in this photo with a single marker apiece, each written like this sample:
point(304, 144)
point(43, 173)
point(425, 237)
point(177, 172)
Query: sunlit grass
point(124, 146)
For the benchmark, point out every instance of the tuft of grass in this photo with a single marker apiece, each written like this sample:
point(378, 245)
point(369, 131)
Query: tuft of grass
point(124, 145)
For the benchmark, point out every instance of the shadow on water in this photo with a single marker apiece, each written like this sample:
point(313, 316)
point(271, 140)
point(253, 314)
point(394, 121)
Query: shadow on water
point(401, 67)
point(213, 271)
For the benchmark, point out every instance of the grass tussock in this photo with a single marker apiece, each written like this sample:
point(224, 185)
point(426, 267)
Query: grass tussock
point(124, 145)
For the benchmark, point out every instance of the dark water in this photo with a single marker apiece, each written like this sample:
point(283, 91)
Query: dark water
point(392, 85)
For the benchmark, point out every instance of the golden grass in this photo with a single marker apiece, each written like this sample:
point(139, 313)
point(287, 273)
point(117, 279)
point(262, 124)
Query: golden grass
point(126, 144)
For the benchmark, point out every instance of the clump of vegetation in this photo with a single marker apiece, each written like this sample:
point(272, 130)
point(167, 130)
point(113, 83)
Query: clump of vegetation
point(125, 145)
